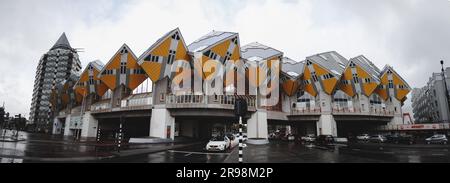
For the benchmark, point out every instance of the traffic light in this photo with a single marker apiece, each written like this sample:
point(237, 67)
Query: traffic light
point(2, 115)
point(240, 107)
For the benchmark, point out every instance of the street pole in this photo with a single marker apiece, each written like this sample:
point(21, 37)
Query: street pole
point(98, 133)
point(240, 109)
point(241, 144)
point(445, 85)
point(119, 144)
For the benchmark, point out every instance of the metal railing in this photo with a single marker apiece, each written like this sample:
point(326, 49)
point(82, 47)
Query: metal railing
point(306, 111)
point(203, 101)
point(358, 111)
point(133, 102)
point(102, 106)
point(137, 102)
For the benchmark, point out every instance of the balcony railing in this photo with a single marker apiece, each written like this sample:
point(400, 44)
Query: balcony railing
point(306, 111)
point(137, 102)
point(203, 101)
point(133, 102)
point(102, 106)
point(358, 111)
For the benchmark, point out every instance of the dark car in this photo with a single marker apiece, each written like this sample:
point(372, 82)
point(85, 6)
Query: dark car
point(324, 140)
point(401, 139)
point(392, 138)
point(405, 139)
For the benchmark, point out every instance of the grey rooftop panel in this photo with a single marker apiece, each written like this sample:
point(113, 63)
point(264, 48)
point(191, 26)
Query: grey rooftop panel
point(257, 52)
point(209, 40)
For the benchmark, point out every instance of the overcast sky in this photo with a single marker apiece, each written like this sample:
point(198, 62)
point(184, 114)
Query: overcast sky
point(410, 35)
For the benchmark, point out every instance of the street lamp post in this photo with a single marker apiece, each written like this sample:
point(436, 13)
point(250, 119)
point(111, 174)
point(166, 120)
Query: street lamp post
point(240, 111)
point(445, 86)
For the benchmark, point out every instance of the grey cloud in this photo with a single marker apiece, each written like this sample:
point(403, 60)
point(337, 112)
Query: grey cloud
point(411, 35)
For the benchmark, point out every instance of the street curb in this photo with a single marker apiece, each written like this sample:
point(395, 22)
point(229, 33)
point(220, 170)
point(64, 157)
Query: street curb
point(21, 140)
point(129, 153)
point(424, 146)
point(57, 160)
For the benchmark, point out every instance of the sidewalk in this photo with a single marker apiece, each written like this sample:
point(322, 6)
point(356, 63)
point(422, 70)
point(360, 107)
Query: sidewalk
point(87, 159)
point(388, 145)
point(50, 148)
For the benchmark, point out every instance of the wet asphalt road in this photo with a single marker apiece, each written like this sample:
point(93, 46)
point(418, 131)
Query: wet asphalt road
point(44, 146)
point(192, 154)
point(286, 152)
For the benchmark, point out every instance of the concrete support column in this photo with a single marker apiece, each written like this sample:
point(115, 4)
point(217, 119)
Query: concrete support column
point(326, 124)
point(90, 125)
point(287, 103)
point(67, 131)
point(395, 106)
point(162, 123)
point(364, 104)
point(257, 125)
point(56, 126)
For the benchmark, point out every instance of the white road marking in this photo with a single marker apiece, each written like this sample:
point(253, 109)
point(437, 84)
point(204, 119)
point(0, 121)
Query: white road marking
point(202, 153)
point(438, 154)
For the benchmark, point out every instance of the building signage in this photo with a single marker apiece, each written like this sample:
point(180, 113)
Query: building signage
point(421, 127)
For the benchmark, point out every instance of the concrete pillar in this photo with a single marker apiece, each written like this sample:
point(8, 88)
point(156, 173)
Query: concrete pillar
point(89, 126)
point(395, 106)
point(363, 104)
point(67, 131)
point(56, 127)
point(326, 124)
point(288, 102)
point(257, 125)
point(161, 123)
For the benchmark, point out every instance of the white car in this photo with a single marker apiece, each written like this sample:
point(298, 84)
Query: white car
point(219, 143)
point(234, 140)
point(363, 137)
point(244, 137)
point(378, 138)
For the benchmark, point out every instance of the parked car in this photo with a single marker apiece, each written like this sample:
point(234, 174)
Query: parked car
point(273, 136)
point(437, 139)
point(392, 138)
point(234, 139)
point(218, 143)
point(378, 138)
point(400, 139)
point(244, 137)
point(341, 140)
point(324, 140)
point(309, 138)
point(363, 137)
point(290, 137)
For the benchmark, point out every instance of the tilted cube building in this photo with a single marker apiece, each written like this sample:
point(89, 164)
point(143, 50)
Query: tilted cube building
point(323, 94)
